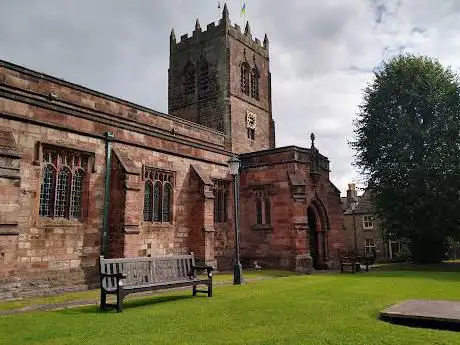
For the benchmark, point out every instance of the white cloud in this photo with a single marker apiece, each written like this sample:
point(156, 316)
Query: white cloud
point(322, 52)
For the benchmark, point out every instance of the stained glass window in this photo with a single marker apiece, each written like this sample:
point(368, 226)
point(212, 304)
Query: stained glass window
point(148, 210)
point(62, 183)
point(158, 203)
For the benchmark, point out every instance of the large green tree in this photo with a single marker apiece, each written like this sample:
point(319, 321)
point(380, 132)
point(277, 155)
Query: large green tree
point(407, 145)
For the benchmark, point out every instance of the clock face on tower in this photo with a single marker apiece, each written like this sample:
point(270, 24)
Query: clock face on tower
point(250, 120)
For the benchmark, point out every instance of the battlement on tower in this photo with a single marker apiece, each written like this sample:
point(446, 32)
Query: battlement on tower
point(224, 26)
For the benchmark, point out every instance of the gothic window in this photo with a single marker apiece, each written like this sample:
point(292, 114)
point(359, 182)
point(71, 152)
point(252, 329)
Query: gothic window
point(203, 77)
point(263, 208)
point(148, 208)
point(62, 183)
point(258, 211)
point(244, 81)
point(158, 195)
point(189, 74)
point(251, 133)
point(221, 196)
point(255, 83)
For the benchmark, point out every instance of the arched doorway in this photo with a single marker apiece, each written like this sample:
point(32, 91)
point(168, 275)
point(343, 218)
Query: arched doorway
point(317, 234)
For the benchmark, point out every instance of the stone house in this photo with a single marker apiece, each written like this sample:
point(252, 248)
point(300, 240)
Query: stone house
point(369, 233)
point(83, 173)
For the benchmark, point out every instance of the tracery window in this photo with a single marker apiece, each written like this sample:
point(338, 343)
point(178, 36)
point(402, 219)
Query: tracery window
point(203, 77)
point(263, 208)
point(189, 73)
point(62, 183)
point(158, 195)
point(244, 81)
point(255, 83)
point(221, 197)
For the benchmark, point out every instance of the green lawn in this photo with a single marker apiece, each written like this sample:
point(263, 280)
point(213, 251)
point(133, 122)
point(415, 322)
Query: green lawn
point(314, 309)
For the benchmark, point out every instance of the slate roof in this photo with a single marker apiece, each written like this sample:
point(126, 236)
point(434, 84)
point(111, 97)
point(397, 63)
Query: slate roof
point(364, 204)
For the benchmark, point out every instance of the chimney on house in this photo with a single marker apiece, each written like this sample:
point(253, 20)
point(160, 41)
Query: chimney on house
point(351, 193)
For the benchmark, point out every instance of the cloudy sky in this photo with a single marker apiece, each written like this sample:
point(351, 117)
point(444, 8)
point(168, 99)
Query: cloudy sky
point(322, 52)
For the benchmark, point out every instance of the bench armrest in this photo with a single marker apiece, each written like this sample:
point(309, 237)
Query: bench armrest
point(208, 269)
point(113, 275)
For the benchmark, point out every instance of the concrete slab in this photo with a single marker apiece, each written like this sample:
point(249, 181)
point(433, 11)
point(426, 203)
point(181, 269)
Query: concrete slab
point(425, 313)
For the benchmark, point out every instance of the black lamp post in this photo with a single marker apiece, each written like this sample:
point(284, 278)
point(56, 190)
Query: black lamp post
point(234, 166)
point(353, 203)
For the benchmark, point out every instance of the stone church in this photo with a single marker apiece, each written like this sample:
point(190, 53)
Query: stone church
point(74, 161)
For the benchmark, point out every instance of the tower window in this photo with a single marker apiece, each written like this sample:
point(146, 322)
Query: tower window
point(158, 195)
point(203, 77)
point(255, 83)
point(251, 133)
point(189, 74)
point(244, 81)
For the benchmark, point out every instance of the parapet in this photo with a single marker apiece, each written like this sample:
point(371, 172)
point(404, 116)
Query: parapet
point(223, 27)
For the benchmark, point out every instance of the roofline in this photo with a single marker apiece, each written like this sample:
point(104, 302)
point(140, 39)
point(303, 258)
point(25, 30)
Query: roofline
point(84, 89)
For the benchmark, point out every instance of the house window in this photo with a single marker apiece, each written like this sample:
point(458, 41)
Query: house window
point(189, 75)
point(221, 197)
point(244, 81)
point(62, 183)
point(263, 208)
point(255, 83)
point(369, 246)
point(368, 222)
point(251, 133)
point(158, 195)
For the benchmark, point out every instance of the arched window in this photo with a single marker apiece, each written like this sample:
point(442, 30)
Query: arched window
point(157, 202)
point(221, 195)
point(258, 211)
point(76, 194)
point(158, 195)
point(167, 198)
point(267, 211)
point(62, 183)
point(47, 191)
point(203, 77)
point(244, 78)
point(189, 76)
point(262, 207)
point(148, 209)
point(255, 83)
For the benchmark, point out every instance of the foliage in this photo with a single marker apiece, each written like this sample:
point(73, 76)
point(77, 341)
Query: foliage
point(407, 144)
point(307, 309)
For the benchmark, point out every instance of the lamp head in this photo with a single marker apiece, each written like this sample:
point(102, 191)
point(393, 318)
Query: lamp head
point(234, 165)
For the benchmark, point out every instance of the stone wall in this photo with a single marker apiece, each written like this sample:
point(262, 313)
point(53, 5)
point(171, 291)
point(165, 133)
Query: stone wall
point(40, 254)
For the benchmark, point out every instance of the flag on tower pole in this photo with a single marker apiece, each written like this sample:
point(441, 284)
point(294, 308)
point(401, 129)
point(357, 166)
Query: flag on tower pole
point(243, 11)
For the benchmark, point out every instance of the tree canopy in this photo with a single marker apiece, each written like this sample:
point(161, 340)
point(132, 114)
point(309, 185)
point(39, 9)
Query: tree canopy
point(407, 145)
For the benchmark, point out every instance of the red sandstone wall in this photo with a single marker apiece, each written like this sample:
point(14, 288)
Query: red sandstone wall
point(270, 246)
point(50, 253)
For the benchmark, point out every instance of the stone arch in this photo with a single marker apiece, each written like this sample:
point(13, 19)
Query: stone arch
point(318, 224)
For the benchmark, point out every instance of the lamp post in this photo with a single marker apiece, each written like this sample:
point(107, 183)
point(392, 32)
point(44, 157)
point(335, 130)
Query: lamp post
point(353, 203)
point(234, 167)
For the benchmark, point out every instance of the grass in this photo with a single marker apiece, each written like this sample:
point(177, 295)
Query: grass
point(94, 294)
point(314, 309)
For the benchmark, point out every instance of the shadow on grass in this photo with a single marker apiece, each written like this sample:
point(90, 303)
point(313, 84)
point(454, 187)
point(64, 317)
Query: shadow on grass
point(128, 304)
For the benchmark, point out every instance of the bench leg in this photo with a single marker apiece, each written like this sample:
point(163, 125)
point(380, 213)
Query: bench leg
point(194, 290)
point(210, 287)
point(120, 297)
point(103, 305)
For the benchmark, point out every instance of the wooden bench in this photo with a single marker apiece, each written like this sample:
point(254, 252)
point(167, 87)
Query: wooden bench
point(123, 276)
point(354, 262)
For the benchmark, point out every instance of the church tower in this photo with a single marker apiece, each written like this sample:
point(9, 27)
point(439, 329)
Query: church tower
point(220, 78)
